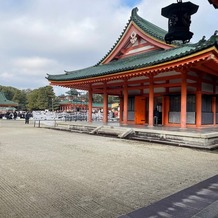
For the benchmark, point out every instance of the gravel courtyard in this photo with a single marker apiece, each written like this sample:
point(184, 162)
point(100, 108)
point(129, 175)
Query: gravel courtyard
point(49, 173)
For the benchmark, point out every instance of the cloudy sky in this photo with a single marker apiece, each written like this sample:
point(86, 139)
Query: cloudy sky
point(49, 36)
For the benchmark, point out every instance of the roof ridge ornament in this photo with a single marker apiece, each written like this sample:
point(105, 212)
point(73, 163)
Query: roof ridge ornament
point(214, 37)
point(134, 11)
point(201, 42)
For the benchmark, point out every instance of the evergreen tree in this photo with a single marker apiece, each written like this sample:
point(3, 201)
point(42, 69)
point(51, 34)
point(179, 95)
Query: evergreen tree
point(41, 99)
point(20, 97)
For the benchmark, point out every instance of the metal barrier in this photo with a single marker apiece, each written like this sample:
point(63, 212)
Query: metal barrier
point(44, 116)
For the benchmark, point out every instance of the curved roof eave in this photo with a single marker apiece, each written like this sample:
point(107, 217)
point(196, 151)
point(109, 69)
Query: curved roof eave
point(147, 27)
point(134, 62)
point(155, 69)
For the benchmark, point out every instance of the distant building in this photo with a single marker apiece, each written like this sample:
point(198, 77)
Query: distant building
point(6, 105)
point(72, 105)
point(77, 105)
point(179, 80)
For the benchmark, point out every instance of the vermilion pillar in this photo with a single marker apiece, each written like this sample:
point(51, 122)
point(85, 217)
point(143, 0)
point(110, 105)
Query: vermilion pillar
point(166, 110)
point(198, 108)
point(166, 106)
point(90, 105)
point(214, 109)
point(121, 109)
point(151, 102)
point(183, 100)
point(125, 103)
point(163, 109)
point(105, 106)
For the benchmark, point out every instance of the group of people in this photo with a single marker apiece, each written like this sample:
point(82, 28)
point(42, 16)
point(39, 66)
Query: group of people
point(14, 115)
point(11, 115)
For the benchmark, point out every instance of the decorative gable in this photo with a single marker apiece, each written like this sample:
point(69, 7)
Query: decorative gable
point(137, 38)
point(141, 51)
point(135, 44)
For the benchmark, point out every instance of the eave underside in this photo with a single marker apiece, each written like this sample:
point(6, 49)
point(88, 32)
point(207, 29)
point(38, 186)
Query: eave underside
point(205, 63)
point(8, 105)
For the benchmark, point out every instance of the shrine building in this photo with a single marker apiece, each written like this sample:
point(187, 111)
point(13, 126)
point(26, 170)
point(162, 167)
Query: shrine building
point(6, 105)
point(179, 80)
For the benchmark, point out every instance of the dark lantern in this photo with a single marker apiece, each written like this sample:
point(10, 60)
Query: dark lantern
point(179, 15)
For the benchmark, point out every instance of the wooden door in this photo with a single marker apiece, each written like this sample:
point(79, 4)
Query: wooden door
point(140, 110)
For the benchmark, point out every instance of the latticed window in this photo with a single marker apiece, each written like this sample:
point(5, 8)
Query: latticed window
point(175, 103)
point(206, 103)
point(131, 102)
point(191, 106)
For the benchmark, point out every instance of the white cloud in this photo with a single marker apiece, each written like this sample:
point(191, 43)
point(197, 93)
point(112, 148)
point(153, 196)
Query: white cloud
point(7, 76)
point(32, 65)
point(39, 38)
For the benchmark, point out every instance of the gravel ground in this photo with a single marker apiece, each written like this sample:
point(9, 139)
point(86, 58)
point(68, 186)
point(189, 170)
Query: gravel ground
point(49, 173)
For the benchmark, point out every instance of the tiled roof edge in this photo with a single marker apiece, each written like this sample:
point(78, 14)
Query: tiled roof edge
point(5, 101)
point(202, 44)
point(137, 20)
point(116, 41)
point(213, 40)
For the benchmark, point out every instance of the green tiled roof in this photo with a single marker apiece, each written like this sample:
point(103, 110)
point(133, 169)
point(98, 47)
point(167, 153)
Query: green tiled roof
point(148, 27)
point(144, 25)
point(142, 60)
point(100, 105)
point(83, 103)
point(4, 109)
point(66, 101)
point(5, 102)
point(136, 62)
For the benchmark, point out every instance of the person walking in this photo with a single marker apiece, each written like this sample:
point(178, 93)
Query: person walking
point(15, 115)
point(156, 116)
point(27, 117)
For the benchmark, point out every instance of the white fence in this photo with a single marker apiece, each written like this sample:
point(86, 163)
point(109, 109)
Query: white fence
point(49, 118)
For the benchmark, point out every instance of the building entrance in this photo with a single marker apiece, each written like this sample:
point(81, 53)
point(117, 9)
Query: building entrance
point(158, 110)
point(140, 112)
